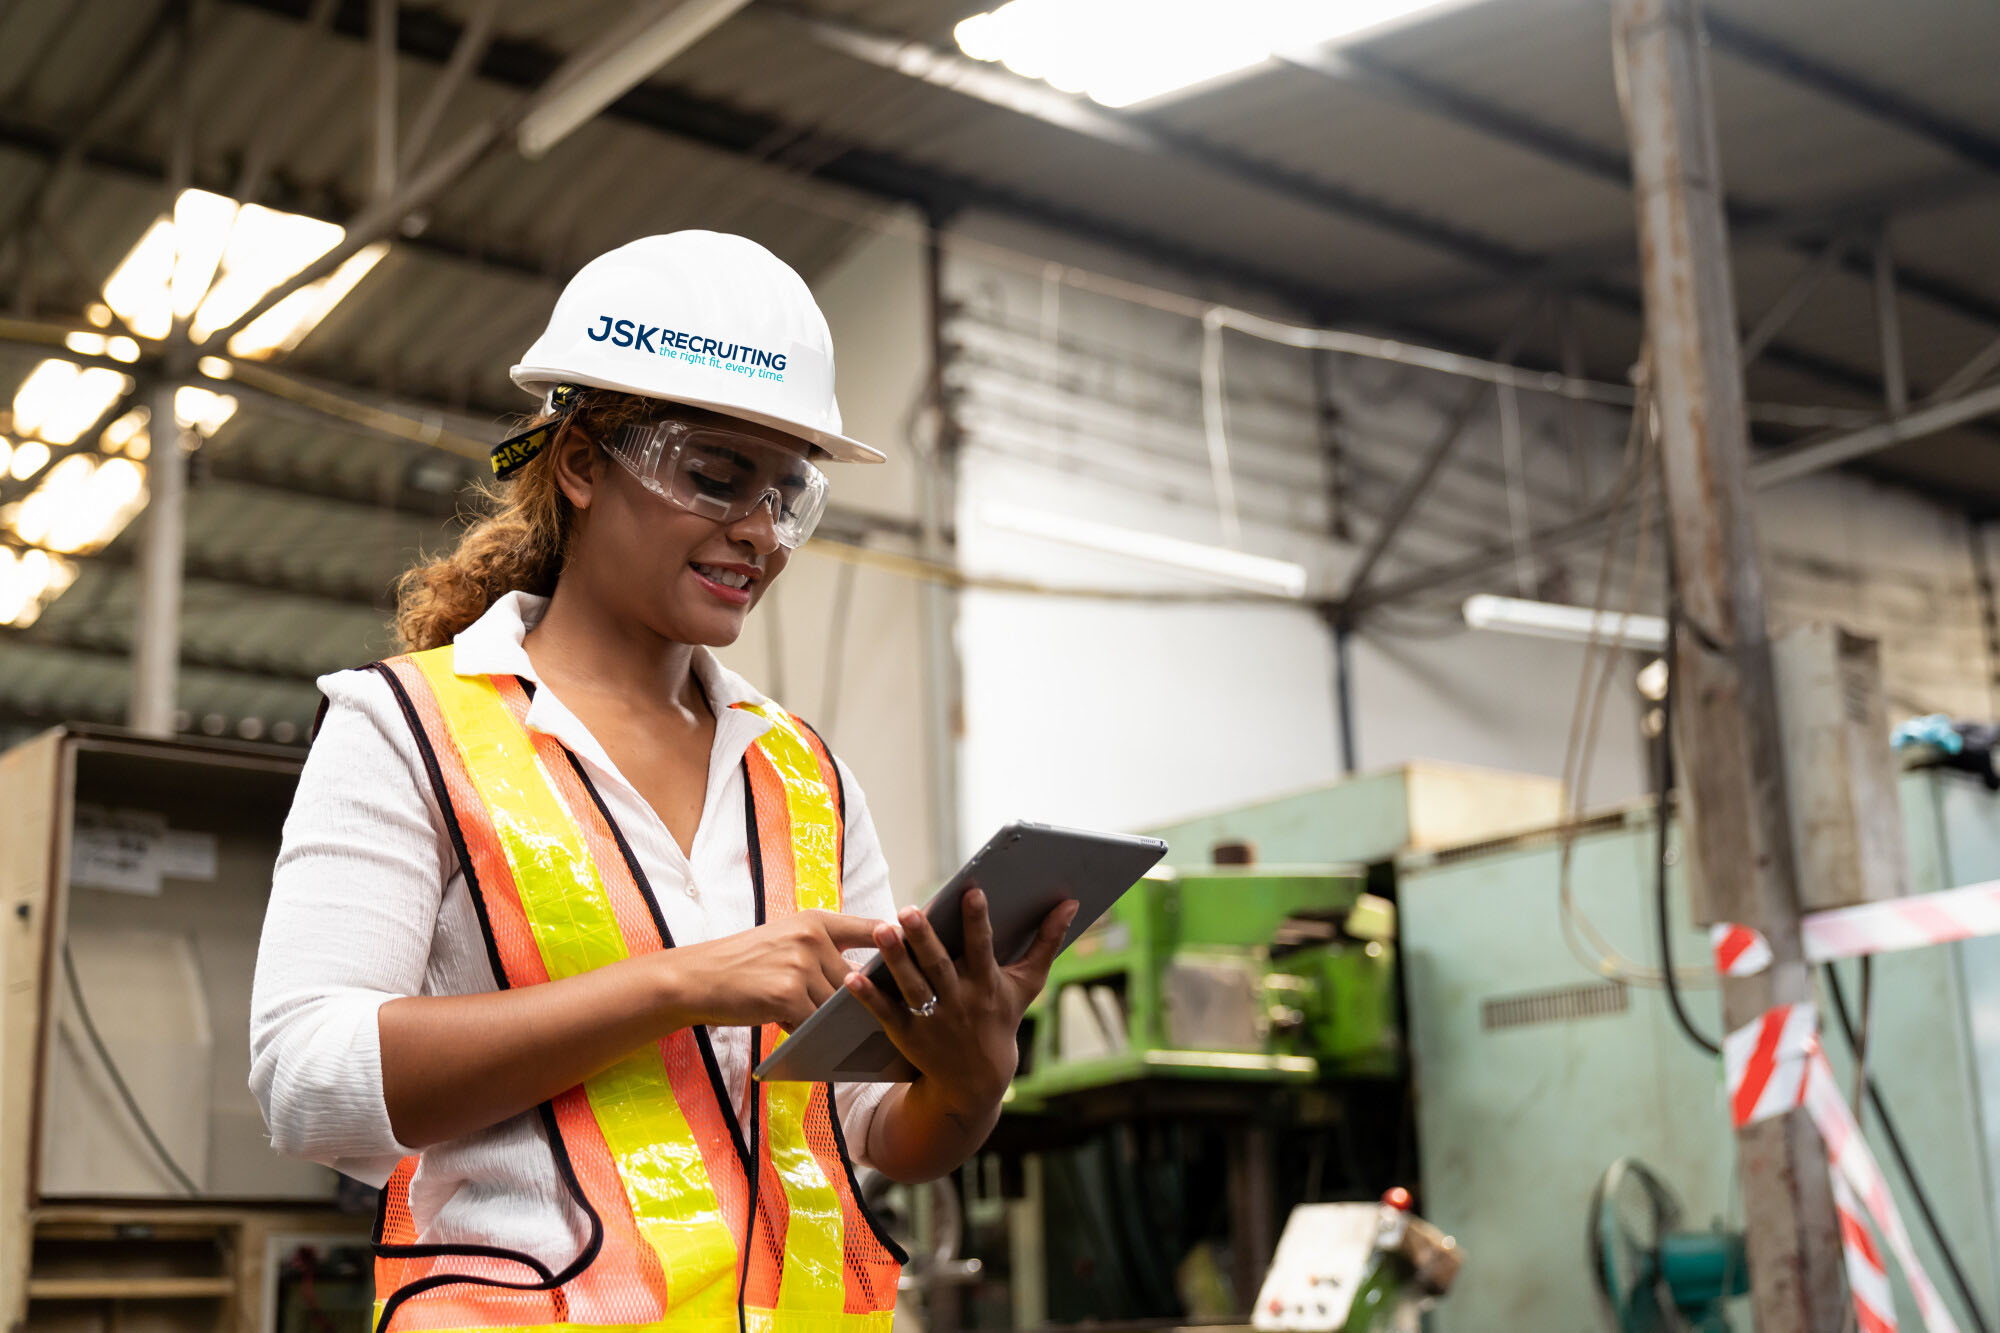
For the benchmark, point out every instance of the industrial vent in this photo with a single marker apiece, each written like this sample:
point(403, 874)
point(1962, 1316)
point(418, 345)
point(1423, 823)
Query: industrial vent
point(1555, 1006)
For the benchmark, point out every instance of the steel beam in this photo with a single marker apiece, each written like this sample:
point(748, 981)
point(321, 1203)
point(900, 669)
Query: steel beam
point(1132, 132)
point(382, 68)
point(1731, 759)
point(1770, 470)
point(1426, 471)
point(1138, 133)
point(1559, 146)
point(156, 622)
point(63, 167)
point(466, 53)
point(1817, 457)
point(237, 574)
point(1360, 68)
point(261, 669)
point(276, 125)
point(1828, 80)
point(1889, 329)
point(1792, 299)
point(1976, 368)
point(429, 34)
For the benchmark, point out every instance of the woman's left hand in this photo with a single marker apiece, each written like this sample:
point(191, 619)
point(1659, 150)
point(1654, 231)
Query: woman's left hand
point(965, 1045)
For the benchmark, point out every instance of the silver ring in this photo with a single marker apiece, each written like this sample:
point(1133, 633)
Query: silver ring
point(927, 1008)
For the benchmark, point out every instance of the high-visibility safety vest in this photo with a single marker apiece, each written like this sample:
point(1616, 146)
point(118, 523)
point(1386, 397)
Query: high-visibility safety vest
point(694, 1225)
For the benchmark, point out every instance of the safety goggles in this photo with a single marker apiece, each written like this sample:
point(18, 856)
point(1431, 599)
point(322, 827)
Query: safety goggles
point(724, 475)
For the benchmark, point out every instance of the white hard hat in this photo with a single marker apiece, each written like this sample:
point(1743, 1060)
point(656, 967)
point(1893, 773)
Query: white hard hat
point(702, 318)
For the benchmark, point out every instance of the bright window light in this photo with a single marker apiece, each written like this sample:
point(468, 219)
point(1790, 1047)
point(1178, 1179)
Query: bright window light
point(124, 431)
point(82, 503)
point(30, 580)
point(60, 400)
point(30, 456)
point(215, 259)
point(1119, 52)
point(202, 409)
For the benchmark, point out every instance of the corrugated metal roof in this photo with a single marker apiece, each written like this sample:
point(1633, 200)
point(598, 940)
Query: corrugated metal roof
point(763, 130)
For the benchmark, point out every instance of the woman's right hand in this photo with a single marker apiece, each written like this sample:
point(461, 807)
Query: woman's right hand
point(776, 973)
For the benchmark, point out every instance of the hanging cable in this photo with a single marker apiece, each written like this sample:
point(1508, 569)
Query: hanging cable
point(118, 1084)
point(1860, 1043)
point(1215, 424)
point(1662, 807)
point(1894, 1139)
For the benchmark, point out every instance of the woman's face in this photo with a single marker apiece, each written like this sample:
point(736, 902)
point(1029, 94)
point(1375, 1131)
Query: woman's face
point(648, 562)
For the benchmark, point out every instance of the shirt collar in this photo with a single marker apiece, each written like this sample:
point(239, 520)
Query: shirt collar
point(492, 646)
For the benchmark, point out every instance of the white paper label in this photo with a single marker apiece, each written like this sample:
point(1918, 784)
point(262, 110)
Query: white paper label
point(116, 853)
point(185, 854)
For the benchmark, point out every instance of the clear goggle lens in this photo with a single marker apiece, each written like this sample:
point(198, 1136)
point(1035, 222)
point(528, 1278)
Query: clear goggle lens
point(724, 476)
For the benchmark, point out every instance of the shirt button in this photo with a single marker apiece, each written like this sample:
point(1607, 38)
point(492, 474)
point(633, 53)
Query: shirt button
point(693, 892)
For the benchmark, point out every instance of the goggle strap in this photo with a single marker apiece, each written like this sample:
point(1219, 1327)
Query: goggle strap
point(516, 451)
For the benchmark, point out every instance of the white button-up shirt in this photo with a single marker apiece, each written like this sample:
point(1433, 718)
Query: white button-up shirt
point(368, 902)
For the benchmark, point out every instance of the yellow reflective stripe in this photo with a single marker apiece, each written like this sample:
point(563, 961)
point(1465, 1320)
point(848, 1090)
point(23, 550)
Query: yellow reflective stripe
point(813, 1277)
point(575, 930)
point(815, 813)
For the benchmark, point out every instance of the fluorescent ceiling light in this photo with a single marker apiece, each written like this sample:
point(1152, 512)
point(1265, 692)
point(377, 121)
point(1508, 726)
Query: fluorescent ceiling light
point(215, 259)
point(1571, 624)
point(1216, 564)
point(1118, 52)
point(620, 62)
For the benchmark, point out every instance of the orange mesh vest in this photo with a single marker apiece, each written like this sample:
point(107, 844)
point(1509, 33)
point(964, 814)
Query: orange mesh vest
point(694, 1224)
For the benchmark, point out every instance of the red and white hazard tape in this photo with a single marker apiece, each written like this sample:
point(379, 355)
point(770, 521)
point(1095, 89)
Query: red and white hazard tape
point(1774, 1064)
point(1885, 927)
point(1902, 923)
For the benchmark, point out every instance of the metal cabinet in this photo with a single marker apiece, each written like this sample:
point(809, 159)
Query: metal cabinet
point(133, 879)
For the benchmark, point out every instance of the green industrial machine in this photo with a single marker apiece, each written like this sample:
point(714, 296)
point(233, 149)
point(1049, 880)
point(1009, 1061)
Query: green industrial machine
point(1532, 1070)
point(1238, 974)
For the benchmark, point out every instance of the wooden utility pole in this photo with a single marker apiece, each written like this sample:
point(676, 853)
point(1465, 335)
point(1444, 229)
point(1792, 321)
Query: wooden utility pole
point(1726, 723)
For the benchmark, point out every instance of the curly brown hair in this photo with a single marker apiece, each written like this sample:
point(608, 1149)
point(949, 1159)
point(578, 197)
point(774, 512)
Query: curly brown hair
point(519, 545)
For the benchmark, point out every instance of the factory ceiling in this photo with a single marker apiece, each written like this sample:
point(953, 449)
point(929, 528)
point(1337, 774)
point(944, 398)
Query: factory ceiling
point(1436, 181)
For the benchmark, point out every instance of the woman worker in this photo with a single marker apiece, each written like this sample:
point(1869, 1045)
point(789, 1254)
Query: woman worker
point(556, 880)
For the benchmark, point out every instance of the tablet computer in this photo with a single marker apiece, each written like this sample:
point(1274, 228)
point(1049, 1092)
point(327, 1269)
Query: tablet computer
point(1026, 871)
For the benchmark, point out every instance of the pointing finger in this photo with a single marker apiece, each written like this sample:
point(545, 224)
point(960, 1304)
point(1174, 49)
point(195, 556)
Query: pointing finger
point(848, 932)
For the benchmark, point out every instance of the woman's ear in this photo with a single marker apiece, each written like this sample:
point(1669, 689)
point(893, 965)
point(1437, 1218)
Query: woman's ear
point(578, 464)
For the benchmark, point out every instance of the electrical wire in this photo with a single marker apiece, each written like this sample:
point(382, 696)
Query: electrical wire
point(1867, 1024)
point(132, 1108)
point(1586, 942)
point(1894, 1139)
point(1662, 802)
